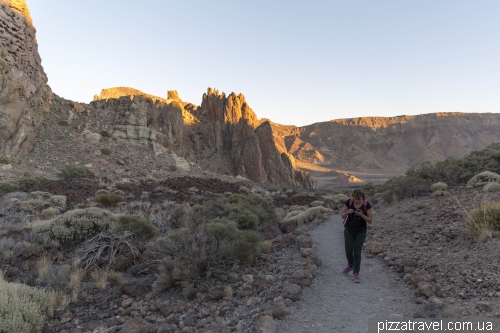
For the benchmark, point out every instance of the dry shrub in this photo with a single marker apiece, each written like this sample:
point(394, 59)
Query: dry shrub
point(481, 221)
point(266, 246)
point(228, 292)
point(109, 200)
point(75, 171)
point(100, 277)
point(103, 248)
point(316, 203)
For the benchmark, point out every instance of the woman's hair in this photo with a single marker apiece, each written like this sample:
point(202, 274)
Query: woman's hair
point(357, 193)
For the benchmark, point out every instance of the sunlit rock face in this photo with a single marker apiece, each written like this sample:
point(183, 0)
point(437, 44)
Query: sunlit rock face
point(25, 97)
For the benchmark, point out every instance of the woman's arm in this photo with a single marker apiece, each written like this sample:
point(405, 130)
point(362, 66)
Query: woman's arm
point(367, 217)
point(346, 211)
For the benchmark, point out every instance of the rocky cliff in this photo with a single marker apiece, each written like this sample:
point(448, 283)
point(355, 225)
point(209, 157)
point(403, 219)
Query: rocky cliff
point(25, 97)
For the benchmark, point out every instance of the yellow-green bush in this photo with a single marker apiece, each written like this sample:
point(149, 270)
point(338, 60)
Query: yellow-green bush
point(439, 186)
point(439, 193)
point(307, 215)
point(139, 225)
point(340, 198)
point(492, 187)
point(58, 200)
point(7, 188)
point(482, 220)
point(75, 225)
point(248, 211)
point(22, 307)
point(75, 171)
point(483, 178)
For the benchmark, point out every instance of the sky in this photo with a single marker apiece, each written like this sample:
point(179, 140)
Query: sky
point(296, 62)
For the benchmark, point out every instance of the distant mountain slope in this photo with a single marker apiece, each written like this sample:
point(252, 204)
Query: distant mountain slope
point(392, 144)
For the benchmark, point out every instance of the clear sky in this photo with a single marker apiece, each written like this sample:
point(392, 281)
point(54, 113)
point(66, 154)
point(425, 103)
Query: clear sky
point(296, 62)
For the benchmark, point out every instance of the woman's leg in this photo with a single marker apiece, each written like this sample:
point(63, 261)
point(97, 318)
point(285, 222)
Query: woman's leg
point(359, 239)
point(349, 247)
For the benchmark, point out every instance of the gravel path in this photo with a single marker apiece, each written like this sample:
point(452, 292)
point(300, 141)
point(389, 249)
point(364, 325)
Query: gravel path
point(334, 303)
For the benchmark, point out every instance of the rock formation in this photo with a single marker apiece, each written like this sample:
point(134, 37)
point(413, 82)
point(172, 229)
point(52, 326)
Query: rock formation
point(25, 97)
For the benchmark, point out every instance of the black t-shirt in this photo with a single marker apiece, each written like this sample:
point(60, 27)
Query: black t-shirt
point(355, 224)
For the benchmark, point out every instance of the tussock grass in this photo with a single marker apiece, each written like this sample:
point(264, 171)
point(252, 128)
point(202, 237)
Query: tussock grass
point(482, 220)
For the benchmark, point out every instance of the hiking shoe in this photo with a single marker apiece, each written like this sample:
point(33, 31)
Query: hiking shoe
point(347, 270)
point(356, 278)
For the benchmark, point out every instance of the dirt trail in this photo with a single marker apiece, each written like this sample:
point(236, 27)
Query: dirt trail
point(334, 303)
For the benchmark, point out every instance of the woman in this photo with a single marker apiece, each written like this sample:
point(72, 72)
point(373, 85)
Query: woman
point(358, 212)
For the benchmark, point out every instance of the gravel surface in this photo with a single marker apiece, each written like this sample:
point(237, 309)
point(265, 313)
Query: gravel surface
point(334, 303)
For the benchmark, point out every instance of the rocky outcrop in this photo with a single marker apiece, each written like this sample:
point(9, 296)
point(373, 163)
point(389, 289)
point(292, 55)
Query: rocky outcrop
point(231, 125)
point(25, 97)
point(142, 120)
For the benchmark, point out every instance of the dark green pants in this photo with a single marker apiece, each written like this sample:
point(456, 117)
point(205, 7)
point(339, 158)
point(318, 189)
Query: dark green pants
point(353, 246)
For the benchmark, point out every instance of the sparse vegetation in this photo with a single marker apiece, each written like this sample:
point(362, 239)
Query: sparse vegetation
point(22, 308)
point(439, 186)
point(483, 178)
point(248, 211)
point(106, 151)
point(75, 171)
point(63, 123)
point(7, 188)
point(140, 226)
point(109, 200)
point(481, 221)
point(74, 226)
point(4, 160)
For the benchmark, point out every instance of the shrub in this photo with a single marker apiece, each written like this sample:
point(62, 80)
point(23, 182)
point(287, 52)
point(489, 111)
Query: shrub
point(492, 187)
point(103, 248)
point(340, 198)
point(316, 203)
point(22, 307)
point(140, 226)
point(439, 186)
point(307, 215)
point(247, 211)
point(106, 151)
point(75, 225)
point(247, 247)
point(7, 188)
point(109, 200)
point(439, 193)
point(191, 256)
point(273, 189)
point(50, 212)
point(119, 192)
point(483, 178)
point(266, 247)
point(482, 220)
point(172, 168)
point(37, 203)
point(58, 200)
point(369, 189)
point(401, 187)
point(25, 183)
point(101, 191)
point(105, 134)
point(4, 160)
point(63, 123)
point(75, 171)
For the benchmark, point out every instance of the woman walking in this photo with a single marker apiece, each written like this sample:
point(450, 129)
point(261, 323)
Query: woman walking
point(357, 212)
